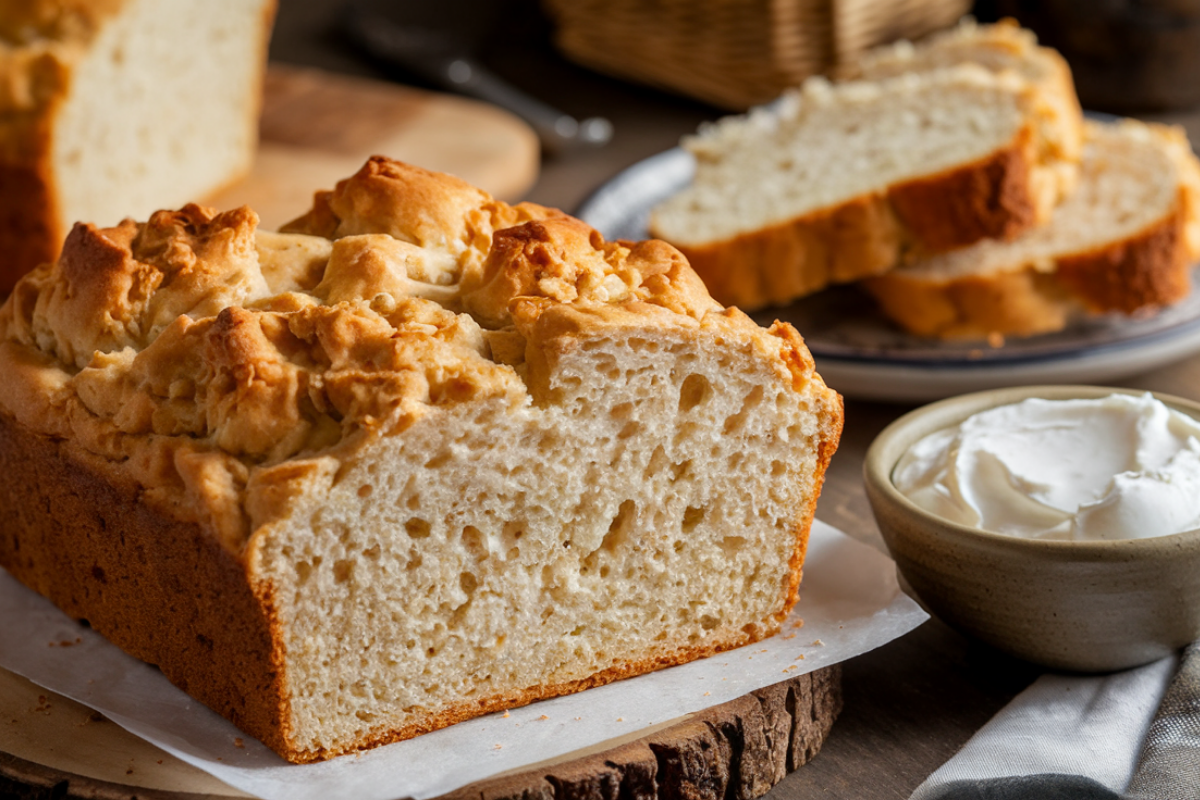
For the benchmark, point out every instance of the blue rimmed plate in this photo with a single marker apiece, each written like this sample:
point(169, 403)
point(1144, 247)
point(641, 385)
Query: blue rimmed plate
point(861, 355)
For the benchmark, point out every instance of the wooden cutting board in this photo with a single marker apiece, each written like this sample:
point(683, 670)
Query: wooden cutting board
point(318, 127)
point(739, 749)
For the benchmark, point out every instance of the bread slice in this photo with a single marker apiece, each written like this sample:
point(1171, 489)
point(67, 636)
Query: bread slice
point(1123, 242)
point(111, 109)
point(840, 182)
point(1001, 47)
point(421, 457)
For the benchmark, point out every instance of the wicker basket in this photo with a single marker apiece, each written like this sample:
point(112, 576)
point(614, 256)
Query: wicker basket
point(736, 53)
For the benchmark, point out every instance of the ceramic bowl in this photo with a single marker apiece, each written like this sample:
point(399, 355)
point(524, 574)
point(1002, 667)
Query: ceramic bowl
point(1075, 606)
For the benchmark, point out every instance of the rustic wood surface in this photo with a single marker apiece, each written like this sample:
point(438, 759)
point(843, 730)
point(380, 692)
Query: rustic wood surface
point(737, 750)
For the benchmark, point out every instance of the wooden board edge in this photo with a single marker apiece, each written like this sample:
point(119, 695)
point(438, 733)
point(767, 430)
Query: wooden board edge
point(738, 750)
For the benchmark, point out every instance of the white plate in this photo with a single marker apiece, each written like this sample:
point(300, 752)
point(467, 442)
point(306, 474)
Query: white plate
point(861, 355)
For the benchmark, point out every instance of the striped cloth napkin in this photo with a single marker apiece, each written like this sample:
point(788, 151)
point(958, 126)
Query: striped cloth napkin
point(1132, 735)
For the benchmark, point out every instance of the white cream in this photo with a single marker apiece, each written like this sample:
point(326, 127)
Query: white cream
point(1119, 467)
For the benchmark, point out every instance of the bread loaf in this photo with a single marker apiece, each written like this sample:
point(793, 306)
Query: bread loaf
point(111, 108)
point(421, 457)
point(1124, 241)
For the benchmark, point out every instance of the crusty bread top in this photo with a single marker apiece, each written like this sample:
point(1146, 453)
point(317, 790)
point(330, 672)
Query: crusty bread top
point(185, 354)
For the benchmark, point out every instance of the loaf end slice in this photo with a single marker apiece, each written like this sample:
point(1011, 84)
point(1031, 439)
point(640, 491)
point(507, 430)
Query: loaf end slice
point(112, 109)
point(1124, 242)
point(431, 456)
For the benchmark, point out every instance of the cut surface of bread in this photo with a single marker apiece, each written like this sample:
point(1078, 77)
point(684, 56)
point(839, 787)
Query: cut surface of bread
point(839, 182)
point(117, 108)
point(420, 457)
point(1001, 47)
point(1124, 241)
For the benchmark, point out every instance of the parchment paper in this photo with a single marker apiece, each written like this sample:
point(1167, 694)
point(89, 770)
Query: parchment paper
point(849, 603)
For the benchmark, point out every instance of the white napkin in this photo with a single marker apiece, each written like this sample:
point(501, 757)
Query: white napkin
point(1063, 737)
point(849, 603)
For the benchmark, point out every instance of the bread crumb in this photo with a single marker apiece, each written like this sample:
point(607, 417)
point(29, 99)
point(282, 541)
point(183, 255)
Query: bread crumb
point(799, 657)
point(543, 716)
point(706, 694)
point(129, 771)
point(995, 340)
point(578, 718)
point(498, 747)
point(790, 636)
point(798, 623)
point(506, 715)
point(818, 643)
point(237, 742)
point(158, 762)
point(620, 719)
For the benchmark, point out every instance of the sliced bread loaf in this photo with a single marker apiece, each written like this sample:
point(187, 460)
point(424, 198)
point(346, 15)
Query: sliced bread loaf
point(1124, 241)
point(840, 182)
point(422, 457)
point(116, 108)
point(1001, 47)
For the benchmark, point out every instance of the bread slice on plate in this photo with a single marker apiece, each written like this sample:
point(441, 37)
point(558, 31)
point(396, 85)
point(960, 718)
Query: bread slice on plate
point(838, 182)
point(421, 457)
point(1001, 47)
point(116, 108)
point(1124, 242)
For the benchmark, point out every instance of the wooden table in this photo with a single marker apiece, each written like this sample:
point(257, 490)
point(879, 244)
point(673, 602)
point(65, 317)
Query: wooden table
point(909, 705)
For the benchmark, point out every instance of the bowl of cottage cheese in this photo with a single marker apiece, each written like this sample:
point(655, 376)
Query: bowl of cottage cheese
point(1060, 524)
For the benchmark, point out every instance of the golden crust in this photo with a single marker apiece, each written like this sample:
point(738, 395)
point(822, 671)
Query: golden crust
point(1145, 271)
point(166, 592)
point(193, 375)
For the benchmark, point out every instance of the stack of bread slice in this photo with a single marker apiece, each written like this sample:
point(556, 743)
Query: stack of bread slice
point(1124, 241)
point(957, 180)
